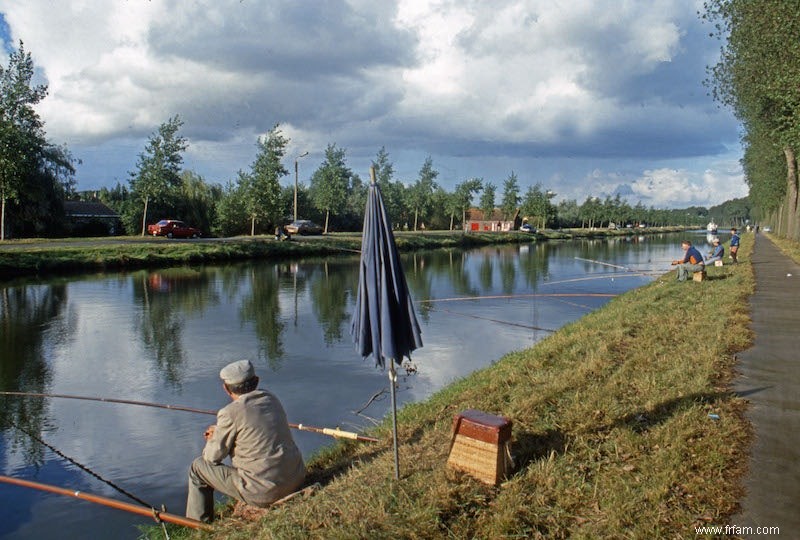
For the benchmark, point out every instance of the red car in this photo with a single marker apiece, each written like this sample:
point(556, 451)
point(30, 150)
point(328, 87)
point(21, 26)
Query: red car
point(172, 228)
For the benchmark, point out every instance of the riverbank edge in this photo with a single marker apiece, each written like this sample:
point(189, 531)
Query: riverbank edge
point(790, 248)
point(623, 421)
point(42, 258)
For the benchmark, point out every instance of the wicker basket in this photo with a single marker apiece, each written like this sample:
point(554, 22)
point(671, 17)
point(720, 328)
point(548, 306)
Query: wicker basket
point(481, 446)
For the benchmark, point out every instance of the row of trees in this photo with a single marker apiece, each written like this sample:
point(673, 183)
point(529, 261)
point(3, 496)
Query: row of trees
point(256, 201)
point(758, 76)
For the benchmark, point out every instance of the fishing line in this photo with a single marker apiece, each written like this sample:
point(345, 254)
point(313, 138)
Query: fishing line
point(638, 274)
point(573, 304)
point(525, 326)
point(332, 432)
point(604, 263)
point(83, 467)
point(513, 296)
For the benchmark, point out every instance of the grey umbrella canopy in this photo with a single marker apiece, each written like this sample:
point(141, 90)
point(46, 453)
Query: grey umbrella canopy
point(384, 323)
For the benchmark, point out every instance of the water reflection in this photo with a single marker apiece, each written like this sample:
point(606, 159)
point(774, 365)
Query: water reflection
point(420, 281)
point(166, 298)
point(261, 308)
point(331, 294)
point(28, 314)
point(162, 337)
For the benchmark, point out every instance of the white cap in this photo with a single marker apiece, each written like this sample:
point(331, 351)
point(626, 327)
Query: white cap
point(237, 372)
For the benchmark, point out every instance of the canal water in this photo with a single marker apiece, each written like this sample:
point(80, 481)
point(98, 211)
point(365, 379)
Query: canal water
point(162, 336)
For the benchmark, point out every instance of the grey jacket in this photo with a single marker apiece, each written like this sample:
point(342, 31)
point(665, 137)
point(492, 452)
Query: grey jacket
point(254, 432)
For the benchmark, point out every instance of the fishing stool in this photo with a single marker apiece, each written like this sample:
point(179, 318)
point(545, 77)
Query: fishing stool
point(699, 276)
point(481, 446)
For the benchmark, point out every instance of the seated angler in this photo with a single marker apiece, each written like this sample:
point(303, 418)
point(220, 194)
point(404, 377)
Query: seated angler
point(717, 253)
point(252, 430)
point(692, 261)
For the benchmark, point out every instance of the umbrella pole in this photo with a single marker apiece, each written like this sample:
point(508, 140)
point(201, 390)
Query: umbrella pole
point(392, 381)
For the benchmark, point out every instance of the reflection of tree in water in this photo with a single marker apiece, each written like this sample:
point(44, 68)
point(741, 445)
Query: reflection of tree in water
point(262, 307)
point(508, 271)
point(459, 274)
point(27, 314)
point(419, 281)
point(166, 297)
point(330, 292)
point(486, 269)
point(535, 264)
point(294, 276)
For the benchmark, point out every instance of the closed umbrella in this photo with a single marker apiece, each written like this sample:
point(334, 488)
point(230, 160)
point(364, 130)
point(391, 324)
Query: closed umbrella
point(384, 324)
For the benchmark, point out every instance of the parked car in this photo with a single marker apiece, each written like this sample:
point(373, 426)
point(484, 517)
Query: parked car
point(526, 227)
point(172, 228)
point(303, 226)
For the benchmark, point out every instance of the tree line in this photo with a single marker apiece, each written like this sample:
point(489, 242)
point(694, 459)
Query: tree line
point(256, 201)
point(758, 77)
point(36, 177)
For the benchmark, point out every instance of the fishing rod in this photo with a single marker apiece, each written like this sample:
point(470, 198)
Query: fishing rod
point(626, 268)
point(512, 296)
point(112, 503)
point(520, 325)
point(605, 264)
point(592, 278)
point(331, 432)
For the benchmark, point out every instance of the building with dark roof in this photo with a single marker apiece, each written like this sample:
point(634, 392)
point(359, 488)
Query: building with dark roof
point(91, 218)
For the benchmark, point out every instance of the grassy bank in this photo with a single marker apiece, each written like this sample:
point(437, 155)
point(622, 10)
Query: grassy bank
point(624, 427)
point(43, 257)
point(791, 248)
point(100, 254)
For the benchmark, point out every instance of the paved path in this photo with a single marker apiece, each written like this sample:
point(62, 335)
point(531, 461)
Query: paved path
point(770, 380)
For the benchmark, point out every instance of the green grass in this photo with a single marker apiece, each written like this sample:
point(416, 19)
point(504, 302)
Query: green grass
point(19, 258)
point(611, 434)
point(49, 257)
point(791, 248)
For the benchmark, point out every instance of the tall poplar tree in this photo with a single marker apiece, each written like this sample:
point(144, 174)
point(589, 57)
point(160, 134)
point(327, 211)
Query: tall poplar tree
point(758, 76)
point(393, 192)
point(159, 166)
point(330, 183)
point(511, 198)
point(462, 197)
point(487, 200)
point(262, 190)
point(421, 193)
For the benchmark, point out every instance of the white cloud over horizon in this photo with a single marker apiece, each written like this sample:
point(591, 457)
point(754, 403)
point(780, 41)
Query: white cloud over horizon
point(551, 90)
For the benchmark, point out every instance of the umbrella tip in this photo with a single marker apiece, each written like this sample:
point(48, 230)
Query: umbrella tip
point(372, 174)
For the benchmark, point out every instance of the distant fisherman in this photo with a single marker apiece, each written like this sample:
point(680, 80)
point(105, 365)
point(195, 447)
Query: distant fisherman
point(734, 245)
point(716, 253)
point(692, 261)
point(254, 433)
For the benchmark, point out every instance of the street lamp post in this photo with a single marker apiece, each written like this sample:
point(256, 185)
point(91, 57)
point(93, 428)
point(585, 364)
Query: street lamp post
point(304, 154)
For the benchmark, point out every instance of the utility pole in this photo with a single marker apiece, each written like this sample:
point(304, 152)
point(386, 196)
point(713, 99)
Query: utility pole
point(304, 154)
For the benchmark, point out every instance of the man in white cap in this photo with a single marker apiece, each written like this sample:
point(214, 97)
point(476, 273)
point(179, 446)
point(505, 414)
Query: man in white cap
point(266, 465)
point(717, 253)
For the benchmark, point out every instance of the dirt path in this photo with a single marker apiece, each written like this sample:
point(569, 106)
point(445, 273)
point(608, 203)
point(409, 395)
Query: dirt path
point(770, 380)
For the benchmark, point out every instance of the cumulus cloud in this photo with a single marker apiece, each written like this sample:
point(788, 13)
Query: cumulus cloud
point(680, 187)
point(465, 81)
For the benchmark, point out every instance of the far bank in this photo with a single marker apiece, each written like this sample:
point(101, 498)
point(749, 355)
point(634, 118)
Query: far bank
point(22, 258)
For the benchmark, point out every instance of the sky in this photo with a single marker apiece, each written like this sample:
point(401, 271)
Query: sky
point(584, 97)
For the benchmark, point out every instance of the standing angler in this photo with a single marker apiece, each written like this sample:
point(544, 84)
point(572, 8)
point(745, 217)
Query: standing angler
point(266, 465)
point(734, 245)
